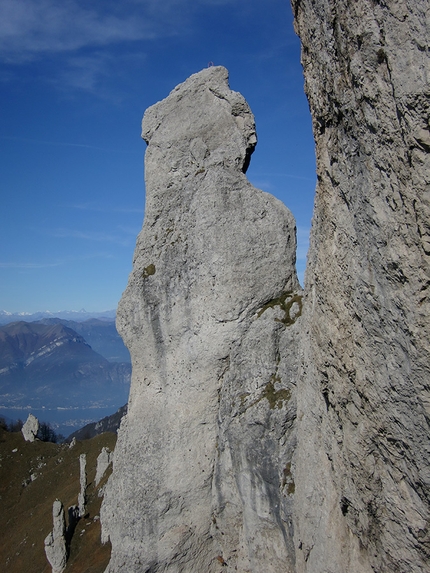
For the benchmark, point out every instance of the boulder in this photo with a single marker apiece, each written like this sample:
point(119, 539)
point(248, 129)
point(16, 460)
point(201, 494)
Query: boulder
point(30, 429)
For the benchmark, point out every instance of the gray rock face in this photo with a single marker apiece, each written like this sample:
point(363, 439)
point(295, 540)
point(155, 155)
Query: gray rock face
point(104, 460)
point(82, 496)
point(55, 542)
point(362, 475)
point(202, 475)
point(30, 429)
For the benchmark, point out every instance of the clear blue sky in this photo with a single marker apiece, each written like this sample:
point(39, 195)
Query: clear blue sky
point(76, 77)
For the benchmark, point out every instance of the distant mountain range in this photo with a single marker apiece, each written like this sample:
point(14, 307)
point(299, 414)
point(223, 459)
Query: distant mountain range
point(100, 334)
point(51, 365)
point(107, 424)
point(75, 315)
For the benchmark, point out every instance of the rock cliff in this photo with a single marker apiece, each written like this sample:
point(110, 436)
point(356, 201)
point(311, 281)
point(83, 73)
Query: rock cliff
point(202, 469)
point(260, 437)
point(362, 465)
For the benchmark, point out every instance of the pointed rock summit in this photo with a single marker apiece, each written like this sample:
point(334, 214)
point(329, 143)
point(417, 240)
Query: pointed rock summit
point(202, 473)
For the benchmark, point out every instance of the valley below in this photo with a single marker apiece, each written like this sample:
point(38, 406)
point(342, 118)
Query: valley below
point(50, 368)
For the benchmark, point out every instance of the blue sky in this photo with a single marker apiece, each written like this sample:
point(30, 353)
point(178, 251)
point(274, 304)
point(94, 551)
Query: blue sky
point(75, 79)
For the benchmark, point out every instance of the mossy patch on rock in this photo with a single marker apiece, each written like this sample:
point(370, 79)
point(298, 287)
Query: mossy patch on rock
point(287, 480)
point(285, 302)
point(276, 398)
point(148, 271)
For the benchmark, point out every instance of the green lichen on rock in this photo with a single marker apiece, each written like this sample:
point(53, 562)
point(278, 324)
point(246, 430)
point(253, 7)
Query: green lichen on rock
point(148, 271)
point(276, 398)
point(285, 302)
point(287, 480)
point(287, 474)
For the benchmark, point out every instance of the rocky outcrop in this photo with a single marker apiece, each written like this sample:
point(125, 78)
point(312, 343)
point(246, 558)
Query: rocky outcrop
point(31, 428)
point(362, 467)
point(55, 542)
point(104, 460)
point(82, 496)
point(202, 475)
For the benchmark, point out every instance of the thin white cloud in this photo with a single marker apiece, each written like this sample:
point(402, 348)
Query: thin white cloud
point(27, 265)
point(132, 231)
point(264, 185)
point(32, 27)
point(91, 206)
point(90, 236)
point(34, 265)
point(86, 72)
point(63, 144)
point(79, 38)
point(89, 72)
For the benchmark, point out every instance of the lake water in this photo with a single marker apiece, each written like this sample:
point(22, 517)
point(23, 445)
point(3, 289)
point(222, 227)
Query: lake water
point(63, 421)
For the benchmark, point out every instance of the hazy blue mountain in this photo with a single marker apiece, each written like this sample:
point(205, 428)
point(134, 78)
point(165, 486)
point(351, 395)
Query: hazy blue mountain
point(107, 424)
point(52, 366)
point(101, 335)
point(76, 315)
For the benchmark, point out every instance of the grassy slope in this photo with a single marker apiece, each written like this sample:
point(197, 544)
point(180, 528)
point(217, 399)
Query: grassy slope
point(26, 510)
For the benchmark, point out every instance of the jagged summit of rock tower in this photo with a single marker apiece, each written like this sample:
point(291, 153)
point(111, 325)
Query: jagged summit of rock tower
point(203, 121)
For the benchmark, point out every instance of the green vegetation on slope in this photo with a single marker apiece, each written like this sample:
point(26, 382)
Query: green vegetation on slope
point(32, 476)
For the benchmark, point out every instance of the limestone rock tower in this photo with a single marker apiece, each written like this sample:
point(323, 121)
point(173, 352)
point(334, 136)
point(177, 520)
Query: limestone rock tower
point(202, 468)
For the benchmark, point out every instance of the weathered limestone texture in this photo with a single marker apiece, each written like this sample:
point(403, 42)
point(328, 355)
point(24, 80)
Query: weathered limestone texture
point(55, 542)
point(202, 476)
point(30, 429)
point(82, 496)
point(104, 460)
point(362, 466)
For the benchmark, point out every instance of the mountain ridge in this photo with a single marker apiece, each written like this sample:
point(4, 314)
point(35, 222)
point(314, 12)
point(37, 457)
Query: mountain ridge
point(77, 315)
point(52, 367)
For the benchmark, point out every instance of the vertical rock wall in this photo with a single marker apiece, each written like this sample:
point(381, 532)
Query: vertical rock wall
point(202, 475)
point(362, 479)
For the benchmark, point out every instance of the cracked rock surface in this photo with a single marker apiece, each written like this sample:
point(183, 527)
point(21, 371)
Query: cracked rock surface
point(202, 473)
point(362, 500)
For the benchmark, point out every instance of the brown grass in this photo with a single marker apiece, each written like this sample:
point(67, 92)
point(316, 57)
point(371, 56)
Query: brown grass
point(26, 506)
